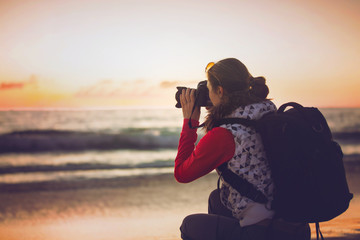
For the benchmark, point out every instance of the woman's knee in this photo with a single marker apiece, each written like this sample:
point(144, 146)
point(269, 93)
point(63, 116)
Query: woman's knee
point(214, 196)
point(198, 226)
point(214, 200)
point(186, 224)
point(216, 206)
point(189, 226)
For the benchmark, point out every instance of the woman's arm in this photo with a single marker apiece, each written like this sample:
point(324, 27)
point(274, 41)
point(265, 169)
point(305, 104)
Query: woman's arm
point(215, 148)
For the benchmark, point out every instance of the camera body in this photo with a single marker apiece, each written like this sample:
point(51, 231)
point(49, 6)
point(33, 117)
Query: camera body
point(201, 95)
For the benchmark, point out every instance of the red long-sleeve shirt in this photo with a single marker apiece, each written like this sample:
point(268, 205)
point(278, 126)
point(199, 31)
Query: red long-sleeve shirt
point(215, 148)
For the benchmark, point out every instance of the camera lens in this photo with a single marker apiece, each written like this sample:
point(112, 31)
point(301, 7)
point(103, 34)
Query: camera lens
point(177, 96)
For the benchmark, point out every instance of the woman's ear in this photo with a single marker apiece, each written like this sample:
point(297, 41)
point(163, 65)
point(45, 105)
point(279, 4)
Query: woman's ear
point(220, 91)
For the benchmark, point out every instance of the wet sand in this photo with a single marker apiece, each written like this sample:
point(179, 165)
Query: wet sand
point(149, 207)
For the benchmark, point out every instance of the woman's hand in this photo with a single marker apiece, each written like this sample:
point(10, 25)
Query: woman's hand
point(187, 101)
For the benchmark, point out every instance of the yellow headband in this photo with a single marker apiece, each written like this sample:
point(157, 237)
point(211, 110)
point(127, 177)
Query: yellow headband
point(210, 64)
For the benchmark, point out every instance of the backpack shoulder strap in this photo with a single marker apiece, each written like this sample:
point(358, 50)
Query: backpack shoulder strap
point(241, 185)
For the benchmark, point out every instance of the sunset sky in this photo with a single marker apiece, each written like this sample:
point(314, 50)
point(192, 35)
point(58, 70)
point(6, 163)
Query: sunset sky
point(111, 53)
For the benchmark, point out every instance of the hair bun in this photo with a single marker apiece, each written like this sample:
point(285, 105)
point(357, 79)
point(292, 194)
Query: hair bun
point(258, 87)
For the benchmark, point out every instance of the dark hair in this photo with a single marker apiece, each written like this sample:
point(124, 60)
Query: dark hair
point(240, 88)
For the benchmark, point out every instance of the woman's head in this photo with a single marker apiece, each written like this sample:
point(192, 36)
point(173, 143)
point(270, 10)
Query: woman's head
point(231, 77)
point(231, 86)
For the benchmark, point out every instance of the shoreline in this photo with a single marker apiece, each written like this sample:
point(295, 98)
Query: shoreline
point(346, 237)
point(352, 169)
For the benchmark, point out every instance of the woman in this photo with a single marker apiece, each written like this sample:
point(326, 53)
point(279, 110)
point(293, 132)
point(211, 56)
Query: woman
point(234, 93)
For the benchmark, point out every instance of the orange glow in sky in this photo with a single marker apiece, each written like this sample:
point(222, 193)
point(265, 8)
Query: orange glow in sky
point(112, 53)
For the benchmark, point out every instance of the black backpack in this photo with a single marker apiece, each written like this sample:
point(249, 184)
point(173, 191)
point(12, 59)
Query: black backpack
point(306, 164)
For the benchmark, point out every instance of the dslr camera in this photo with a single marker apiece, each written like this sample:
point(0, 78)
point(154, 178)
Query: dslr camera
point(201, 95)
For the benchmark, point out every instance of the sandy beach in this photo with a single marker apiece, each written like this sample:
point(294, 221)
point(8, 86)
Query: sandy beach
point(148, 207)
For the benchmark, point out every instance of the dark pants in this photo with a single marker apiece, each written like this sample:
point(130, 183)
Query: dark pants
point(219, 224)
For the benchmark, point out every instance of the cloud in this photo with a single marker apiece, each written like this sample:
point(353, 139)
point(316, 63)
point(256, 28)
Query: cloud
point(100, 89)
point(173, 84)
point(112, 89)
point(131, 89)
point(140, 92)
point(169, 84)
point(32, 81)
point(11, 85)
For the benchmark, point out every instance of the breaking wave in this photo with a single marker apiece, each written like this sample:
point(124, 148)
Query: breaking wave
point(68, 141)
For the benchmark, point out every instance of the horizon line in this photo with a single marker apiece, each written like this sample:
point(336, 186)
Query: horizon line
point(105, 108)
point(84, 108)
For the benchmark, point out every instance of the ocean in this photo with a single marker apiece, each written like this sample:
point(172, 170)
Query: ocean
point(62, 149)
point(108, 174)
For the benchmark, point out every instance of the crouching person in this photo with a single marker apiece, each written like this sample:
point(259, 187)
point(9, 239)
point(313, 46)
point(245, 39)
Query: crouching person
point(234, 93)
